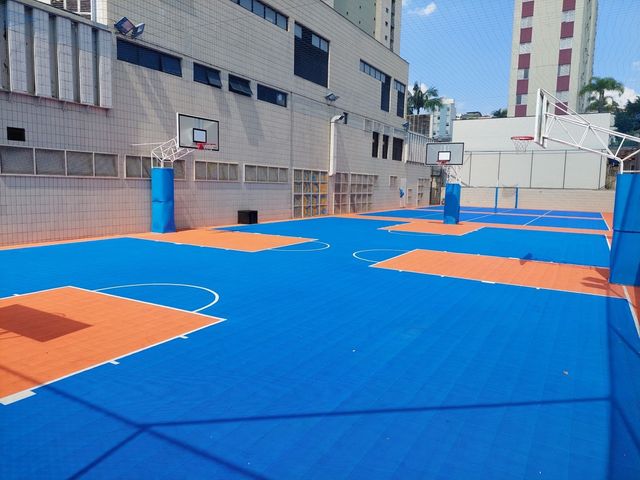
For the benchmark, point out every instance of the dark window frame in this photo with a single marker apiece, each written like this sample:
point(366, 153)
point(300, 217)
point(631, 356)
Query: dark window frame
point(265, 11)
point(385, 146)
point(311, 61)
point(206, 75)
point(375, 144)
point(150, 58)
point(240, 85)
point(270, 95)
point(397, 148)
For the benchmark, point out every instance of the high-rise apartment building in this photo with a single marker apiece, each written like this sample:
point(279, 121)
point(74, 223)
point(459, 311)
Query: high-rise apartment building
point(553, 45)
point(378, 18)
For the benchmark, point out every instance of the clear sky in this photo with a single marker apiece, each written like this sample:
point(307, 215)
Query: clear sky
point(463, 47)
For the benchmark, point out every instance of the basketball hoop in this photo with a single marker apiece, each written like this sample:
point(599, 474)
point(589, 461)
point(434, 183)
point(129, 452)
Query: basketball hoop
point(442, 163)
point(521, 142)
point(200, 146)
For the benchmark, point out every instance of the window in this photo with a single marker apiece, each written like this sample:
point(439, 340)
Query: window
point(569, 16)
point(564, 70)
point(16, 134)
point(566, 43)
point(400, 88)
point(525, 48)
point(396, 154)
point(146, 57)
point(216, 171)
point(372, 71)
point(385, 146)
point(240, 86)
point(521, 99)
point(264, 174)
point(311, 56)
point(563, 96)
point(526, 22)
point(179, 172)
point(137, 167)
point(262, 10)
point(271, 95)
point(206, 75)
point(375, 144)
point(523, 73)
point(393, 181)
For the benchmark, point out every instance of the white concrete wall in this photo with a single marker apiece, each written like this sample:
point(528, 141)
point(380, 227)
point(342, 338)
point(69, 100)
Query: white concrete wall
point(144, 103)
point(552, 199)
point(490, 158)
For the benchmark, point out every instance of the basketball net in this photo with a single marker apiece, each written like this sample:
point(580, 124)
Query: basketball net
point(200, 146)
point(521, 142)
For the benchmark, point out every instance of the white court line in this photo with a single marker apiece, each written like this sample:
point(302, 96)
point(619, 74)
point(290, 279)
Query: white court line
point(14, 397)
point(355, 254)
point(397, 256)
point(286, 249)
point(216, 297)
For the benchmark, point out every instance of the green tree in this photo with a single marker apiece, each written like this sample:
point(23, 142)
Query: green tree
point(415, 102)
point(500, 113)
point(423, 100)
point(431, 99)
point(599, 100)
point(628, 119)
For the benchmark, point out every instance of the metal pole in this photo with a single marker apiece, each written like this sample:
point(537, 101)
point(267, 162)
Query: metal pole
point(564, 172)
point(531, 171)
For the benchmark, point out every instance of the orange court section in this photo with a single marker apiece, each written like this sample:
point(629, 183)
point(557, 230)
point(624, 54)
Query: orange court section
point(434, 226)
point(553, 276)
point(229, 240)
point(54, 333)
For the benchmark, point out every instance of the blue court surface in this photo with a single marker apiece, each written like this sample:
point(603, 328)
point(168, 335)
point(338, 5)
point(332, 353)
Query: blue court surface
point(327, 368)
point(541, 218)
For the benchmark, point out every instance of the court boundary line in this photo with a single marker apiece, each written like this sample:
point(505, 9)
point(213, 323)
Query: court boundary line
point(353, 254)
point(437, 275)
point(282, 249)
point(216, 295)
point(26, 391)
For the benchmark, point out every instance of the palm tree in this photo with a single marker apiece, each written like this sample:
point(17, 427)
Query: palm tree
point(599, 101)
point(415, 102)
point(431, 99)
point(500, 113)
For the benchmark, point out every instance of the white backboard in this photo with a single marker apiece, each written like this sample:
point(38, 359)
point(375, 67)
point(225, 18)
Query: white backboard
point(445, 153)
point(197, 130)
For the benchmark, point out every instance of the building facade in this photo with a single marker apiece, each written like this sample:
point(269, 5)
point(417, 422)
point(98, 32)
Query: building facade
point(552, 48)
point(81, 107)
point(441, 128)
point(379, 18)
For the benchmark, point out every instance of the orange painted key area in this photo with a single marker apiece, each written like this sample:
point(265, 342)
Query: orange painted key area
point(229, 240)
point(435, 226)
point(553, 276)
point(51, 334)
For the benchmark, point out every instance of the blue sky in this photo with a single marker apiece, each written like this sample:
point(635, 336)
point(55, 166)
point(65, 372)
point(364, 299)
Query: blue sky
point(462, 47)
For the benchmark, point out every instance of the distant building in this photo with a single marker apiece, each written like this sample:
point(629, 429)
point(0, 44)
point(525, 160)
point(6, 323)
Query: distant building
point(552, 48)
point(378, 18)
point(442, 120)
point(470, 115)
point(420, 124)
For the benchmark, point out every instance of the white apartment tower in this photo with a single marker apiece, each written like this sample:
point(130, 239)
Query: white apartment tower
point(379, 18)
point(553, 45)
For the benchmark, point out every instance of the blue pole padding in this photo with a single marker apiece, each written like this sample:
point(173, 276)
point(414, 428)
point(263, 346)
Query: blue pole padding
point(625, 248)
point(162, 204)
point(517, 190)
point(452, 203)
point(495, 204)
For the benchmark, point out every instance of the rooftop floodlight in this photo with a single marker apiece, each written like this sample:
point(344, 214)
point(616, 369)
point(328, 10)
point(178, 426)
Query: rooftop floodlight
point(138, 30)
point(331, 97)
point(124, 25)
point(405, 125)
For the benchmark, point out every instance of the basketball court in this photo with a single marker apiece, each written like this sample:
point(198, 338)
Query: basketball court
point(386, 344)
point(508, 355)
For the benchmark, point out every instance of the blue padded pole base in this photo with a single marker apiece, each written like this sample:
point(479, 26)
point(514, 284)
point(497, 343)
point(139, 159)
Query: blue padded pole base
point(625, 248)
point(517, 190)
point(495, 201)
point(162, 204)
point(452, 203)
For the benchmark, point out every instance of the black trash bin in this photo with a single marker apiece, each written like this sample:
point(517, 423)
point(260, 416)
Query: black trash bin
point(247, 216)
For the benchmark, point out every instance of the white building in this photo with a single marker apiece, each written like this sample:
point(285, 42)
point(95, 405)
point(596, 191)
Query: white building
point(379, 18)
point(441, 121)
point(552, 48)
point(80, 104)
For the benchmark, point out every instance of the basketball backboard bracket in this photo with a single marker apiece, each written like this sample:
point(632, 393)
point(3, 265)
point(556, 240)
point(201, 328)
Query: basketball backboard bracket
point(548, 125)
point(450, 156)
